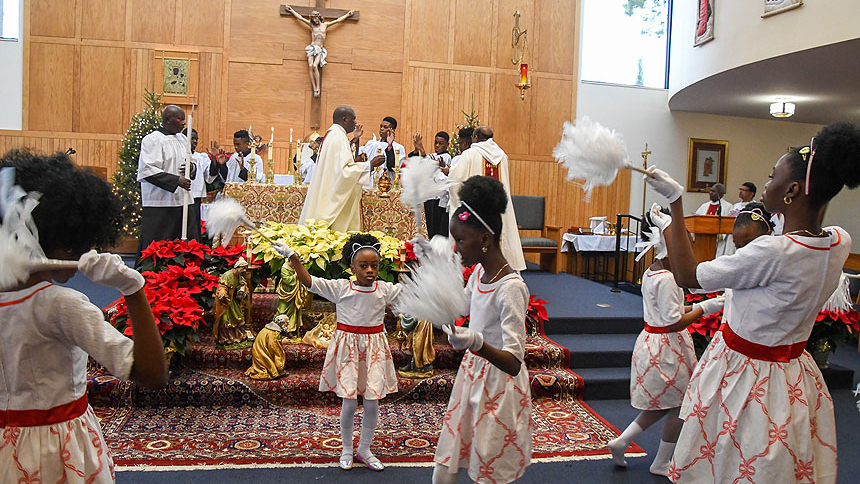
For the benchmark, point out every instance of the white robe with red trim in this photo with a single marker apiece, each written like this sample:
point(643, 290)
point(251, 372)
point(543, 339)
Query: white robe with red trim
point(46, 335)
point(750, 414)
point(487, 427)
point(662, 362)
point(355, 363)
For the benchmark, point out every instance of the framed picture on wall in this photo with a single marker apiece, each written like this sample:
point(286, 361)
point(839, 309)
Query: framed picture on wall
point(707, 163)
point(773, 7)
point(704, 22)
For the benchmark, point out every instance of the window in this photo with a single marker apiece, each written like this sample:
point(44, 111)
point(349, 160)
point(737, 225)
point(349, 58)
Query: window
point(9, 18)
point(626, 42)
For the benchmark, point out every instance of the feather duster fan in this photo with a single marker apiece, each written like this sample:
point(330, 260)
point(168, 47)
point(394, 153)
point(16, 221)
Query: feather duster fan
point(592, 153)
point(225, 216)
point(434, 290)
point(420, 182)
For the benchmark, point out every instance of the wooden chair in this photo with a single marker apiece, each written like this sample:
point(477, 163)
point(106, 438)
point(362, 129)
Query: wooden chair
point(529, 211)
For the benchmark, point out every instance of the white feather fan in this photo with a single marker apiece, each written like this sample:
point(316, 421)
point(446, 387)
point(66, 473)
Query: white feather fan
point(840, 300)
point(225, 216)
point(421, 180)
point(434, 290)
point(592, 153)
point(19, 238)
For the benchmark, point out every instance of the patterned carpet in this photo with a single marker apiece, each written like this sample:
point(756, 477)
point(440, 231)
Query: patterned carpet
point(210, 413)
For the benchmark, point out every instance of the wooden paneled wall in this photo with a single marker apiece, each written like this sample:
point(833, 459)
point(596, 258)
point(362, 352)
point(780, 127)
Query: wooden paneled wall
point(86, 63)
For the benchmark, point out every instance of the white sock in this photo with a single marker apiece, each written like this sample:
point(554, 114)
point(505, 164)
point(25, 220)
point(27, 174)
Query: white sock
point(442, 476)
point(368, 427)
point(619, 445)
point(347, 424)
point(661, 463)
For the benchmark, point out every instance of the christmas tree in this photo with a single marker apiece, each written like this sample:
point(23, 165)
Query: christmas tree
point(125, 183)
point(472, 121)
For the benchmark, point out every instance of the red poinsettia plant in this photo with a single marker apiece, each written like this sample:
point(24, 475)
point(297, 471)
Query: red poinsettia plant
point(181, 278)
point(536, 314)
point(704, 328)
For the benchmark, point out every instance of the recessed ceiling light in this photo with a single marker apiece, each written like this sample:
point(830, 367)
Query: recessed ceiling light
point(782, 108)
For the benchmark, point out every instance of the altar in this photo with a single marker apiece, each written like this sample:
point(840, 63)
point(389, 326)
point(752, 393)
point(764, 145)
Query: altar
point(283, 204)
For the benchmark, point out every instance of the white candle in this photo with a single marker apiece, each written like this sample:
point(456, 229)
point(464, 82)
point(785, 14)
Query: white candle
point(291, 135)
point(271, 142)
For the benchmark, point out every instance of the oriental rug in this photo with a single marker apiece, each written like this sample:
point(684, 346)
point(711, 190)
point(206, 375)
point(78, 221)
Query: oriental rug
point(212, 414)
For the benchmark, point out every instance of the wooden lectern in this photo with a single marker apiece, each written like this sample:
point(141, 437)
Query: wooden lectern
point(706, 228)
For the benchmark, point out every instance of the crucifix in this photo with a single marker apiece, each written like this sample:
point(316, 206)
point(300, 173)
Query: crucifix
point(315, 18)
point(644, 165)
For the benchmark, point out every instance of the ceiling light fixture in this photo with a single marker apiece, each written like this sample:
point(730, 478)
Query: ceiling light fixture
point(782, 108)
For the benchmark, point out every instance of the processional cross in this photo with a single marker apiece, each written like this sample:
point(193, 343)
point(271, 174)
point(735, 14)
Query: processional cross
point(315, 18)
point(644, 165)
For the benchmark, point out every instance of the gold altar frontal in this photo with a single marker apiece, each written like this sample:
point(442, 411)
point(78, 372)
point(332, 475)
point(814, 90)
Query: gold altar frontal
point(283, 204)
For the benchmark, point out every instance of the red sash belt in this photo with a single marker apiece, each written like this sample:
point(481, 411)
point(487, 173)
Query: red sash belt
point(658, 329)
point(35, 418)
point(781, 353)
point(348, 328)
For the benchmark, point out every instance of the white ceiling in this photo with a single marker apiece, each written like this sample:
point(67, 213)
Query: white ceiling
point(824, 83)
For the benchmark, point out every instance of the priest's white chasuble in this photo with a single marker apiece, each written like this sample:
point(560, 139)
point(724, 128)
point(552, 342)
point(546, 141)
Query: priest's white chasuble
point(486, 158)
point(334, 194)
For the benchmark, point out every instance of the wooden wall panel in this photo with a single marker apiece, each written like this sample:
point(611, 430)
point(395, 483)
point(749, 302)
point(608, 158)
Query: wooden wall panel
point(473, 33)
point(430, 30)
point(140, 77)
point(98, 151)
point(202, 22)
point(103, 20)
point(511, 116)
point(52, 19)
point(258, 94)
point(100, 92)
point(550, 97)
point(554, 40)
point(153, 21)
point(51, 86)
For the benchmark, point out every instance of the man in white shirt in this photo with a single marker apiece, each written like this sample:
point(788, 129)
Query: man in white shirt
point(394, 152)
point(198, 186)
point(236, 169)
point(306, 171)
point(162, 154)
point(746, 193)
point(435, 213)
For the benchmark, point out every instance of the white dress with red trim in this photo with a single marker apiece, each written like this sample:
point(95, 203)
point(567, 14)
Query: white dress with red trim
point(662, 361)
point(358, 360)
point(48, 432)
point(487, 427)
point(757, 408)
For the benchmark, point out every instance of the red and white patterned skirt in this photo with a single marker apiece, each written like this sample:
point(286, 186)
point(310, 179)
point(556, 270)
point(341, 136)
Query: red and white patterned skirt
point(758, 421)
point(661, 367)
point(488, 427)
point(358, 364)
point(73, 451)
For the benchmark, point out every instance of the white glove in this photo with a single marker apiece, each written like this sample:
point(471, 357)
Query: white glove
point(421, 246)
point(110, 270)
point(463, 338)
point(663, 184)
point(659, 218)
point(283, 249)
point(711, 306)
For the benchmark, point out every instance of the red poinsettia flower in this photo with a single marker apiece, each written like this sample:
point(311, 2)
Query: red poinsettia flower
point(408, 252)
point(537, 309)
point(467, 273)
point(707, 325)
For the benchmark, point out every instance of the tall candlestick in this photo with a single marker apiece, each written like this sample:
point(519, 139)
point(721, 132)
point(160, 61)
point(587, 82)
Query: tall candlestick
point(187, 175)
point(271, 174)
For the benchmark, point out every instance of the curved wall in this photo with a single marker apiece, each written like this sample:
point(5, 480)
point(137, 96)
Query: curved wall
point(741, 36)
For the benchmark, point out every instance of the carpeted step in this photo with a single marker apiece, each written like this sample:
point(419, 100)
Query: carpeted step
point(597, 350)
point(593, 325)
point(605, 383)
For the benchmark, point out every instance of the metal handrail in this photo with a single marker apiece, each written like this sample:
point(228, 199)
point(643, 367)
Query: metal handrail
point(619, 225)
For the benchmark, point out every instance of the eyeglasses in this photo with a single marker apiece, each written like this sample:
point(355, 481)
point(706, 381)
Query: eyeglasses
point(744, 189)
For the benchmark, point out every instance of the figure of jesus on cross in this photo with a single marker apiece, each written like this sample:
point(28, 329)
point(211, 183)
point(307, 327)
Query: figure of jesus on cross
point(315, 51)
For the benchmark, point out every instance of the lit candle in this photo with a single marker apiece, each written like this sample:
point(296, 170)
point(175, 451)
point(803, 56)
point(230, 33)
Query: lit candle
point(524, 73)
point(291, 135)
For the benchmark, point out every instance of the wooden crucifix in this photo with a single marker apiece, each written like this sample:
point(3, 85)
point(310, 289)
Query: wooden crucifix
point(315, 18)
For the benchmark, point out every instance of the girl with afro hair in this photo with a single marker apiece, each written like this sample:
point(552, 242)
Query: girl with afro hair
point(757, 403)
point(358, 361)
point(47, 332)
point(488, 419)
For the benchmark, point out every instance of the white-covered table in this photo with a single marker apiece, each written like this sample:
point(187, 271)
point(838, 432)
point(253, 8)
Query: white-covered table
point(597, 243)
point(593, 256)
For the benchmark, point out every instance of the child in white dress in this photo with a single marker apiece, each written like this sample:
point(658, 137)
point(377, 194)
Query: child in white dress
point(487, 427)
point(358, 361)
point(663, 356)
point(49, 431)
point(757, 406)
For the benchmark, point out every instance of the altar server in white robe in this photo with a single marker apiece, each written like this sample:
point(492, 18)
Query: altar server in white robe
point(486, 158)
point(757, 404)
point(334, 194)
point(162, 185)
point(717, 206)
point(394, 152)
point(198, 186)
point(235, 171)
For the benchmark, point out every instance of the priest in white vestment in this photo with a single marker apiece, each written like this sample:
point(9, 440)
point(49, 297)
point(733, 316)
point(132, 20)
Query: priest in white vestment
point(486, 158)
point(718, 206)
point(334, 194)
